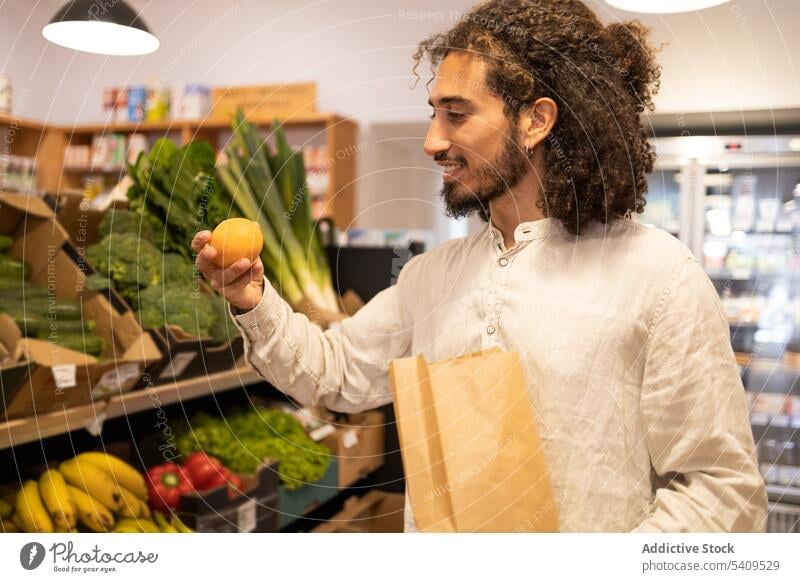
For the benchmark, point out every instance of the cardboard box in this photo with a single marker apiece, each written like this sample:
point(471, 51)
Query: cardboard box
point(375, 512)
point(252, 511)
point(65, 377)
point(295, 504)
point(80, 221)
point(186, 356)
point(358, 443)
point(265, 102)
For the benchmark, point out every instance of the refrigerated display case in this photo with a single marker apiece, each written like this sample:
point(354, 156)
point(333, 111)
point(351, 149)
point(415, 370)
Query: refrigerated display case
point(736, 202)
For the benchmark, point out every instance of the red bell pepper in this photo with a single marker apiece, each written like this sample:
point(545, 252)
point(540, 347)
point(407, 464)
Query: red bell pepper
point(165, 485)
point(203, 470)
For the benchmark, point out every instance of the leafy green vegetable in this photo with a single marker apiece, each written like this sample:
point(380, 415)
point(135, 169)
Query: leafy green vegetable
point(270, 189)
point(243, 439)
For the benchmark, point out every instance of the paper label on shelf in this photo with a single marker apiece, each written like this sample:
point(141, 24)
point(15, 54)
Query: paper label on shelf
point(349, 438)
point(95, 426)
point(246, 517)
point(117, 380)
point(177, 365)
point(320, 433)
point(64, 376)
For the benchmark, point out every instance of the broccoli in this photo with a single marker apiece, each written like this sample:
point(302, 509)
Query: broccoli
point(121, 220)
point(130, 262)
point(178, 305)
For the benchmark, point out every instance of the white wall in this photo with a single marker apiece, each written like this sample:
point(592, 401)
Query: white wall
point(733, 57)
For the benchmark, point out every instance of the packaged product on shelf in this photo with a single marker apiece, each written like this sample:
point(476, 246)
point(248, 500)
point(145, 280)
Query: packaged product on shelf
point(18, 173)
point(137, 144)
point(137, 102)
point(158, 103)
point(115, 99)
point(5, 94)
point(190, 101)
point(77, 156)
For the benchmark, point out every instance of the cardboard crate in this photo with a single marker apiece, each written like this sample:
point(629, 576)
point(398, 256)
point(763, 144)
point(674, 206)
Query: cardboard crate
point(375, 512)
point(64, 377)
point(295, 504)
point(253, 511)
point(358, 443)
point(186, 356)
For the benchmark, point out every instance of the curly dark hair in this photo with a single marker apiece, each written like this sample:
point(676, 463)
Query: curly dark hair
point(600, 77)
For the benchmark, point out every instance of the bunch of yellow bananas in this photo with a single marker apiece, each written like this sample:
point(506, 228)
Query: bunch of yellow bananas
point(98, 491)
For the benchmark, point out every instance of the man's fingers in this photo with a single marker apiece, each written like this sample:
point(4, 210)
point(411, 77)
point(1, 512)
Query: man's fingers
point(257, 272)
point(236, 270)
point(200, 240)
point(205, 261)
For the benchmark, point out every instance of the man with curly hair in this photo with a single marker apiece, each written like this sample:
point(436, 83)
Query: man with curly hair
point(625, 348)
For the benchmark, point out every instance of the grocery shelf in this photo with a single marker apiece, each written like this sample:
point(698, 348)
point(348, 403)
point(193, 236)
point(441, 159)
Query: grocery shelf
point(140, 400)
point(20, 122)
point(33, 428)
point(781, 494)
point(191, 124)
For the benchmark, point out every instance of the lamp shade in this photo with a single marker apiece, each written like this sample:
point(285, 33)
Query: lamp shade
point(106, 28)
point(664, 6)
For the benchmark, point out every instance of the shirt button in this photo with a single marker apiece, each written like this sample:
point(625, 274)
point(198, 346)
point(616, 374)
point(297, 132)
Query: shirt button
point(503, 262)
point(490, 330)
point(253, 325)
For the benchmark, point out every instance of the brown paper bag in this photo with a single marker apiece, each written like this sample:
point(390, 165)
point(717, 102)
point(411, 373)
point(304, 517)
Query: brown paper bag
point(470, 445)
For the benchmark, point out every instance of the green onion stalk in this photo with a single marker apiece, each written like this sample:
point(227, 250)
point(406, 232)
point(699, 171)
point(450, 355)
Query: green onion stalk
point(292, 255)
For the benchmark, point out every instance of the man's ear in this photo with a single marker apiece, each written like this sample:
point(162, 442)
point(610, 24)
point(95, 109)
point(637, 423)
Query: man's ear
point(537, 121)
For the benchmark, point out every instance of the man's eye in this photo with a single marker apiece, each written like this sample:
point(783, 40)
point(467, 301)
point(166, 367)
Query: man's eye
point(456, 116)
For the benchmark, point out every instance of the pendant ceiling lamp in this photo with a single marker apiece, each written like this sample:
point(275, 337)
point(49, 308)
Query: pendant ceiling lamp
point(106, 28)
point(664, 6)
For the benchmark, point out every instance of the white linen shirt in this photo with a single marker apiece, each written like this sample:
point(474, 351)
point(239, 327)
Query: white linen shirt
point(626, 352)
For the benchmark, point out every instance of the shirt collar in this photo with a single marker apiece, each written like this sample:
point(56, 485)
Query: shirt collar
point(526, 231)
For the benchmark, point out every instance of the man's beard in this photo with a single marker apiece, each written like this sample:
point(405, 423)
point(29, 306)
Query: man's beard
point(491, 180)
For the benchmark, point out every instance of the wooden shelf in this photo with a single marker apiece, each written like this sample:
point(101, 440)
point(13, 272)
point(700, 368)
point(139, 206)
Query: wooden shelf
point(192, 124)
point(21, 122)
point(33, 428)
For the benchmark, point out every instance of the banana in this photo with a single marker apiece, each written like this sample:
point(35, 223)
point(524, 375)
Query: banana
point(6, 509)
point(57, 500)
point(8, 492)
point(161, 522)
point(124, 475)
point(30, 511)
point(94, 482)
point(8, 526)
point(127, 530)
point(91, 513)
point(142, 525)
point(132, 506)
point(180, 526)
point(145, 511)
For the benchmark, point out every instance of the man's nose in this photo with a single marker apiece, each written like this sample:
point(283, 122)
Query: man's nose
point(435, 142)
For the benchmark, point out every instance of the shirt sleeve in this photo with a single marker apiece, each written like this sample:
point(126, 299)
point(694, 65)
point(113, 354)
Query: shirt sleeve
point(344, 368)
point(695, 418)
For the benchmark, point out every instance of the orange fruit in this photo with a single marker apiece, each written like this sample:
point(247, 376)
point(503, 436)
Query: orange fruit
point(236, 238)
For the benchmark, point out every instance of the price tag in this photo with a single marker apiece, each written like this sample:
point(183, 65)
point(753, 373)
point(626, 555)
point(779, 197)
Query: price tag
point(321, 432)
point(117, 380)
point(64, 376)
point(246, 516)
point(95, 426)
point(349, 438)
point(177, 365)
